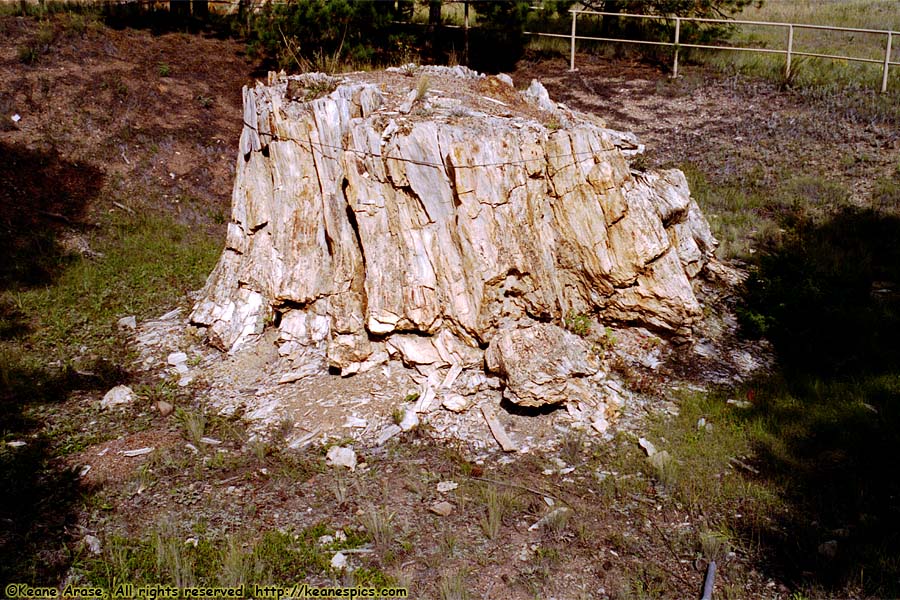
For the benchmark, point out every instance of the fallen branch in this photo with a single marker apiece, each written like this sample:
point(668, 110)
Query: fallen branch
point(56, 216)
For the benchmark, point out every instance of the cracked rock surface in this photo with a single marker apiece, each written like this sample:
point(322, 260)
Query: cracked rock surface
point(364, 233)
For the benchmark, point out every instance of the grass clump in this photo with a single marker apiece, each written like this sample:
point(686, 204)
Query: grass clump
point(452, 586)
point(578, 323)
point(498, 505)
point(173, 559)
point(31, 52)
point(238, 565)
point(886, 195)
point(714, 545)
point(380, 525)
point(193, 424)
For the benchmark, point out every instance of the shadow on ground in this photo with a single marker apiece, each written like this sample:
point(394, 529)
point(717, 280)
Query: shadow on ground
point(828, 297)
point(40, 495)
point(40, 196)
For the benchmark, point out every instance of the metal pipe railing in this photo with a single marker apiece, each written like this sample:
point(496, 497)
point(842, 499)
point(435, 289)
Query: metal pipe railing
point(790, 52)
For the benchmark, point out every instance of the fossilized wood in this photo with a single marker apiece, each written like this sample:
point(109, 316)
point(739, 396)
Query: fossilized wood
point(362, 234)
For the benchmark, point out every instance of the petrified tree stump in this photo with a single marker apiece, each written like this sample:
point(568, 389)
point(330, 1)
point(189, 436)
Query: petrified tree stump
point(368, 224)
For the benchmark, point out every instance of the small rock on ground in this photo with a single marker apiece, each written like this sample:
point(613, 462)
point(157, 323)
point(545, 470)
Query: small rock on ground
point(410, 418)
point(441, 509)
point(176, 358)
point(92, 543)
point(341, 457)
point(119, 395)
point(338, 561)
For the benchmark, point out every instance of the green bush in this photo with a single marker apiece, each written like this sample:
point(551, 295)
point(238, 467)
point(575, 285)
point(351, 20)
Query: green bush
point(302, 34)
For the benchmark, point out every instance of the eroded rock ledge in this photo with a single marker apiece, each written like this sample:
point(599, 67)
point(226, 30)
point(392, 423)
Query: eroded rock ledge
point(398, 220)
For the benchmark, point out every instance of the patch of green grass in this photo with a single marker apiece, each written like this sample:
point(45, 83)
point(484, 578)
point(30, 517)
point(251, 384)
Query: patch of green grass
point(811, 73)
point(293, 557)
point(164, 556)
point(73, 438)
point(813, 434)
point(162, 390)
point(32, 51)
point(168, 556)
point(147, 264)
point(886, 195)
point(752, 209)
point(296, 466)
point(824, 293)
point(618, 465)
point(123, 560)
point(369, 576)
point(701, 474)
point(42, 10)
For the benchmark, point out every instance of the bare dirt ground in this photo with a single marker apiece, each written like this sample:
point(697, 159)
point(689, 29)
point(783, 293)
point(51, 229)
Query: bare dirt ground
point(731, 126)
point(155, 120)
point(152, 110)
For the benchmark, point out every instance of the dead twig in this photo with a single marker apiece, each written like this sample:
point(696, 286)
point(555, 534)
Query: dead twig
point(56, 216)
point(739, 463)
point(123, 207)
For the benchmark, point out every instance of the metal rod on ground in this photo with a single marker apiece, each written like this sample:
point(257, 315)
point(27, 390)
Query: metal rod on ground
point(787, 68)
point(677, 37)
point(709, 581)
point(887, 64)
point(572, 51)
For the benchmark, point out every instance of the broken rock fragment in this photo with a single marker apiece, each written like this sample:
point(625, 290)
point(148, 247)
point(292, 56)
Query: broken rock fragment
point(117, 396)
point(341, 457)
point(541, 364)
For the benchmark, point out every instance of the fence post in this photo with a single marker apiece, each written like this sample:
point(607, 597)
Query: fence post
point(572, 51)
point(466, 33)
point(677, 37)
point(790, 48)
point(887, 64)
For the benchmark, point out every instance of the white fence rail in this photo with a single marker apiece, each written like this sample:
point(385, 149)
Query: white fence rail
point(789, 51)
